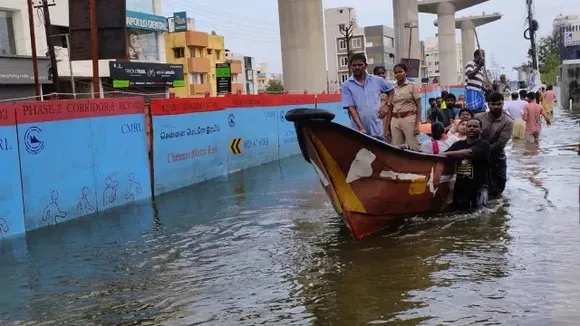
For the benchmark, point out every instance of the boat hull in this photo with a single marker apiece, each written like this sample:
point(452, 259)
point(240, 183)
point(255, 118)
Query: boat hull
point(371, 183)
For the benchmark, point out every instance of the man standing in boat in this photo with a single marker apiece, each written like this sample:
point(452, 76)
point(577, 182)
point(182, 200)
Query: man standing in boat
point(361, 97)
point(472, 156)
point(497, 127)
point(474, 87)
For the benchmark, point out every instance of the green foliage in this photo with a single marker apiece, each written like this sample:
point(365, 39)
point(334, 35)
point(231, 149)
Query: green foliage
point(549, 58)
point(275, 86)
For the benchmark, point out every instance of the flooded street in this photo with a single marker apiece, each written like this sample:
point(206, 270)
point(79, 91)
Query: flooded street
point(264, 246)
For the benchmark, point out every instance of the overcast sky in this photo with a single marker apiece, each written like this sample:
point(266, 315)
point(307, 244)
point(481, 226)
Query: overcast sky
point(251, 26)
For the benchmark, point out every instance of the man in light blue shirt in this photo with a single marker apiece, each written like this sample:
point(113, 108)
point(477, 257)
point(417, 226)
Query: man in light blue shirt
point(361, 96)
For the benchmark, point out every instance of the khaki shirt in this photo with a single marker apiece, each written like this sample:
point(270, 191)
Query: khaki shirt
point(405, 97)
point(497, 132)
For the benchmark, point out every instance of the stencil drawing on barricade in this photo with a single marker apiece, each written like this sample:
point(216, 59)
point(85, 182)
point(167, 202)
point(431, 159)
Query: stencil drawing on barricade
point(4, 227)
point(52, 212)
point(134, 188)
point(110, 192)
point(84, 206)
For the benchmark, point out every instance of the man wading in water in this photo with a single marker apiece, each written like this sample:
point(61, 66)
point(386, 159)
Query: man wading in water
point(472, 156)
point(361, 97)
point(496, 129)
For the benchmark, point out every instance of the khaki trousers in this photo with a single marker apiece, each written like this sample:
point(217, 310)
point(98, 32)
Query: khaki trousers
point(402, 132)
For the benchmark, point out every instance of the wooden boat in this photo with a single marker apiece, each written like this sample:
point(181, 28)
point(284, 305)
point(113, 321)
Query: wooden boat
point(370, 183)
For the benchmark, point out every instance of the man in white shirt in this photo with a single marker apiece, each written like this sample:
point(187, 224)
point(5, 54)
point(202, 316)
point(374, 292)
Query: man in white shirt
point(515, 109)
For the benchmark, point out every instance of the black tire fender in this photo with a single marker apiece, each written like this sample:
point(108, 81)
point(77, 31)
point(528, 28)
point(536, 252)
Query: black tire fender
point(304, 114)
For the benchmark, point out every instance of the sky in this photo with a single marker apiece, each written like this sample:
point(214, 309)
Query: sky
point(250, 27)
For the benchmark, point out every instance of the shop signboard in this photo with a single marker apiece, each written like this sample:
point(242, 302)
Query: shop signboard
point(146, 74)
point(223, 73)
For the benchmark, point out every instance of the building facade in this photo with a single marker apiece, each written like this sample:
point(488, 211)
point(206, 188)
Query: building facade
point(250, 75)
point(376, 42)
point(198, 52)
point(262, 76)
point(431, 46)
point(247, 76)
point(16, 72)
point(380, 48)
point(335, 21)
point(567, 31)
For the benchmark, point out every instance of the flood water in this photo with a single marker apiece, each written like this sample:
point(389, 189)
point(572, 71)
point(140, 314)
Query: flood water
point(265, 247)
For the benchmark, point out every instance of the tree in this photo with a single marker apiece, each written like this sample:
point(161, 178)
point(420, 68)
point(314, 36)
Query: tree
point(274, 86)
point(548, 58)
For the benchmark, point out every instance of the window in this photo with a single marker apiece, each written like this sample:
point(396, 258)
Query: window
point(388, 41)
point(196, 79)
point(356, 43)
point(7, 43)
point(343, 61)
point(343, 78)
point(436, 63)
point(341, 27)
point(178, 53)
point(341, 45)
point(370, 61)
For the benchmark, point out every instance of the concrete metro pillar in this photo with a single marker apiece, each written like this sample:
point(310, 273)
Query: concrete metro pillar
point(302, 45)
point(406, 11)
point(467, 41)
point(447, 47)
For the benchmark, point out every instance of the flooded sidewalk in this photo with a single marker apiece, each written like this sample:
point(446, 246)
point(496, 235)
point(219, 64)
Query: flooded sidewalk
point(265, 246)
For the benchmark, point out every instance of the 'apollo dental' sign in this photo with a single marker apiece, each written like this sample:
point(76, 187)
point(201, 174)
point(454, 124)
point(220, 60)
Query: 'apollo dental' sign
point(139, 20)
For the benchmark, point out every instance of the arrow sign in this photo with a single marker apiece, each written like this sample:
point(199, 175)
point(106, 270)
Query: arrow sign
point(235, 146)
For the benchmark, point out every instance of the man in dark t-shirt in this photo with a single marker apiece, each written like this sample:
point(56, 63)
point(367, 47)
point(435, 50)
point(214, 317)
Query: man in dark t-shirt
point(472, 157)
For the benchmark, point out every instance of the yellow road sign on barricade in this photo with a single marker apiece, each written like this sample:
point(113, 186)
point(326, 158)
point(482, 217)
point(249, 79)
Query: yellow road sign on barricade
point(235, 146)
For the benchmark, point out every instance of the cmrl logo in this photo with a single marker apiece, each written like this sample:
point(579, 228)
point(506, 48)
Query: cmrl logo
point(232, 120)
point(33, 140)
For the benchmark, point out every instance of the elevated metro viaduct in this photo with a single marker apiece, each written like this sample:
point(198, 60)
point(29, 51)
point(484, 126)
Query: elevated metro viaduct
point(302, 38)
point(445, 10)
point(302, 41)
point(467, 26)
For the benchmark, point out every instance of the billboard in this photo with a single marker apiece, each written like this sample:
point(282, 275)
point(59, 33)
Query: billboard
point(223, 73)
point(112, 34)
point(572, 38)
point(180, 21)
point(142, 42)
point(146, 74)
point(142, 45)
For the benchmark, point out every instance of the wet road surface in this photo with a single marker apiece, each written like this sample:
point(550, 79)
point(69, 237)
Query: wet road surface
point(264, 246)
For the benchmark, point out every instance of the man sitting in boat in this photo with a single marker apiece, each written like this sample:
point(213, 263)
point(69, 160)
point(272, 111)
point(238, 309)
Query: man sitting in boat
point(361, 97)
point(449, 111)
point(497, 128)
point(431, 109)
point(472, 156)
